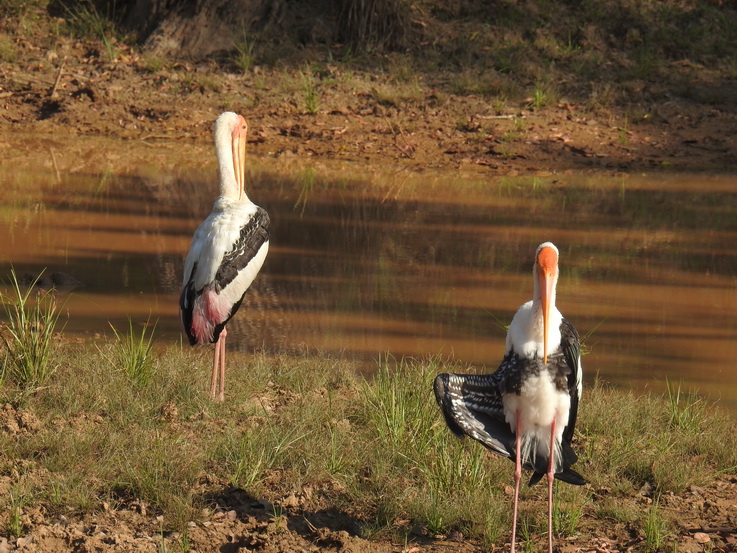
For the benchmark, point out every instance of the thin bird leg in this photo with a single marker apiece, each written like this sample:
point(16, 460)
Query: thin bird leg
point(517, 478)
point(551, 477)
point(223, 335)
point(215, 365)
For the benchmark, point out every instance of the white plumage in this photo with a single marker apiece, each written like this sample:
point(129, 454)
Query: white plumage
point(227, 252)
point(527, 409)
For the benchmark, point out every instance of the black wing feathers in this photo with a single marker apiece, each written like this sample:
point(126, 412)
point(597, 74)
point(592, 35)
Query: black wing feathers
point(472, 406)
point(570, 344)
point(186, 301)
point(252, 237)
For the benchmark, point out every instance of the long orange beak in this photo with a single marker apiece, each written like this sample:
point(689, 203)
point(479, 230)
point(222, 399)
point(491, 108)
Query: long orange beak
point(546, 292)
point(547, 262)
point(240, 135)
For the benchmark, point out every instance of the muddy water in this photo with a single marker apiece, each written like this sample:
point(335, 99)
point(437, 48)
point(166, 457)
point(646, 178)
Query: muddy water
point(366, 261)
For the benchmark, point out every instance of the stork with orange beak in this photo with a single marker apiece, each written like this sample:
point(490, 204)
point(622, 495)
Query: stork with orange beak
point(227, 251)
point(527, 409)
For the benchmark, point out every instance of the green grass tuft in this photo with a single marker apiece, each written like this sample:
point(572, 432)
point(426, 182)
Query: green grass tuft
point(134, 353)
point(245, 48)
point(311, 93)
point(655, 528)
point(29, 334)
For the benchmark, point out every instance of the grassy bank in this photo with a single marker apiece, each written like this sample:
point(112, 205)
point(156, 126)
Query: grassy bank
point(96, 436)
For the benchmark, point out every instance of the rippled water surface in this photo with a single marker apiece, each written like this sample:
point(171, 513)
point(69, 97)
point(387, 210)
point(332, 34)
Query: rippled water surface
point(365, 261)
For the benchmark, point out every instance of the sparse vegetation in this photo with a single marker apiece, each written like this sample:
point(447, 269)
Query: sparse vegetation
point(153, 63)
point(418, 67)
point(315, 423)
point(84, 20)
point(244, 56)
point(655, 529)
point(7, 49)
point(539, 97)
point(15, 502)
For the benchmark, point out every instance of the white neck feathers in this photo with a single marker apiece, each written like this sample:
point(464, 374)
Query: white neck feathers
point(225, 126)
point(526, 335)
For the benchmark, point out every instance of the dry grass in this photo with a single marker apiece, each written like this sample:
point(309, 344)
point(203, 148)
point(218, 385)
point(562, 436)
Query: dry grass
point(102, 438)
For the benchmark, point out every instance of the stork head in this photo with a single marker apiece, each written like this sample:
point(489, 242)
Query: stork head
point(546, 277)
point(231, 133)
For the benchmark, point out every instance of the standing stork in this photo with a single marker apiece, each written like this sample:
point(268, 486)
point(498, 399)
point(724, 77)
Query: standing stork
point(527, 409)
point(227, 251)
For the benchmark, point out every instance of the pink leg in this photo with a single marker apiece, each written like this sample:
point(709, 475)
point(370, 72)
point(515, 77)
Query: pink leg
point(551, 477)
point(223, 335)
point(517, 478)
point(215, 365)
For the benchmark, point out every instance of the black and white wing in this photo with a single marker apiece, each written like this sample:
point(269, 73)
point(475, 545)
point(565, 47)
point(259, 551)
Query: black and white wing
point(224, 259)
point(472, 406)
point(571, 345)
point(254, 235)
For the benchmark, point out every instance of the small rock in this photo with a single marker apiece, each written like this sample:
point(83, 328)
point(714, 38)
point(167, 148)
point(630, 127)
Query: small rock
point(139, 507)
point(645, 490)
point(701, 537)
point(23, 542)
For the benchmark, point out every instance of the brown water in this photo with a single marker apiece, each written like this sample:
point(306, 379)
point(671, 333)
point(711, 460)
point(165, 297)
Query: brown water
point(365, 261)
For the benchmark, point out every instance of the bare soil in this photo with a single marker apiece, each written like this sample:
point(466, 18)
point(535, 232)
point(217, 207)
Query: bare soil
point(69, 88)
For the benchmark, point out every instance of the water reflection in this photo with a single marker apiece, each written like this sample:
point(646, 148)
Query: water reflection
point(363, 262)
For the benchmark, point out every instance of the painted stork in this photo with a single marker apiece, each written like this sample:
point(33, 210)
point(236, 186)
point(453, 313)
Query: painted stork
point(227, 251)
point(527, 409)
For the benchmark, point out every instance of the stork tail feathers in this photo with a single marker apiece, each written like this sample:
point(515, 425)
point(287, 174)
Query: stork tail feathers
point(567, 475)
